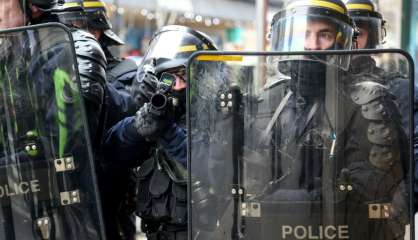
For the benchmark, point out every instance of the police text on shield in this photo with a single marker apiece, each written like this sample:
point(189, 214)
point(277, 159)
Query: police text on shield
point(315, 232)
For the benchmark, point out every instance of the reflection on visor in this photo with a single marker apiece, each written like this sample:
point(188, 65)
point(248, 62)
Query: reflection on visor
point(310, 33)
point(76, 19)
point(187, 48)
point(174, 45)
point(297, 34)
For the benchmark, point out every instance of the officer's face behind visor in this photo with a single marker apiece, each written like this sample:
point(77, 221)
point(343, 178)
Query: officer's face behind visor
point(319, 35)
point(309, 32)
point(370, 32)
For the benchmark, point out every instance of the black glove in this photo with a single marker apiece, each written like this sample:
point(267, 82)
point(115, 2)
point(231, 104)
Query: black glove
point(144, 86)
point(150, 123)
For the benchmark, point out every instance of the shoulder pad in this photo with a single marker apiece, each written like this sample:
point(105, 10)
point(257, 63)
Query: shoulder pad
point(88, 69)
point(86, 46)
point(367, 91)
point(381, 134)
point(91, 59)
point(374, 110)
point(383, 157)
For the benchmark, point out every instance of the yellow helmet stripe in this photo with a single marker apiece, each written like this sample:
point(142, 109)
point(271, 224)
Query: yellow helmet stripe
point(93, 4)
point(71, 4)
point(357, 6)
point(187, 48)
point(318, 3)
point(220, 58)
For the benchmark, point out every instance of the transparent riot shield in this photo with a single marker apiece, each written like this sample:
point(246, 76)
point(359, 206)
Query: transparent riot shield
point(47, 177)
point(290, 146)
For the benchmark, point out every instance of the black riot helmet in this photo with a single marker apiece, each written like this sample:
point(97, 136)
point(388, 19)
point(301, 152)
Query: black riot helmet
point(172, 46)
point(97, 18)
point(68, 12)
point(368, 20)
point(294, 28)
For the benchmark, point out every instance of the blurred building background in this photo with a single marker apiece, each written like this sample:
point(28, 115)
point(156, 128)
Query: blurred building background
point(235, 24)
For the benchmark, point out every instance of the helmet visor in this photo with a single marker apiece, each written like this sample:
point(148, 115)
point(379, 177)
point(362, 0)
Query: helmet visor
point(370, 32)
point(306, 31)
point(173, 46)
point(74, 19)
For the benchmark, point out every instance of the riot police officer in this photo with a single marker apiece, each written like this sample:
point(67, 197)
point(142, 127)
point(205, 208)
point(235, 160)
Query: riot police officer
point(105, 104)
point(90, 56)
point(119, 72)
point(371, 26)
point(155, 139)
point(48, 129)
point(311, 139)
point(118, 104)
point(370, 23)
point(371, 34)
point(99, 25)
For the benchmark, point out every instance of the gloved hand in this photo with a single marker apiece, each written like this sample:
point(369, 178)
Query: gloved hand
point(149, 123)
point(144, 86)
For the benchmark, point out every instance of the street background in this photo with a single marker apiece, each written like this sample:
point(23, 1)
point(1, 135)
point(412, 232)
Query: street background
point(237, 24)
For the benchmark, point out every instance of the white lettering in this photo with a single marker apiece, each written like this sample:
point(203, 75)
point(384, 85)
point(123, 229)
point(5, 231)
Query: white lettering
point(321, 232)
point(34, 185)
point(303, 230)
point(24, 187)
point(19, 188)
point(343, 232)
point(286, 230)
point(328, 232)
point(311, 234)
point(8, 192)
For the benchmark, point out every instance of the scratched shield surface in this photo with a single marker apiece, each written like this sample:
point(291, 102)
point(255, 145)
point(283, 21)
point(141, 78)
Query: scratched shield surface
point(47, 178)
point(293, 146)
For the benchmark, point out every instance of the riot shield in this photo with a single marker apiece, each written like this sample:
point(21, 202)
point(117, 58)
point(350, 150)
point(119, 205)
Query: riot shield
point(290, 146)
point(47, 178)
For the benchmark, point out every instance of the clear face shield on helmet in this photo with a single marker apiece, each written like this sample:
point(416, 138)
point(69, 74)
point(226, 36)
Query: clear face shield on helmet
point(69, 13)
point(171, 49)
point(74, 19)
point(311, 29)
point(371, 31)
